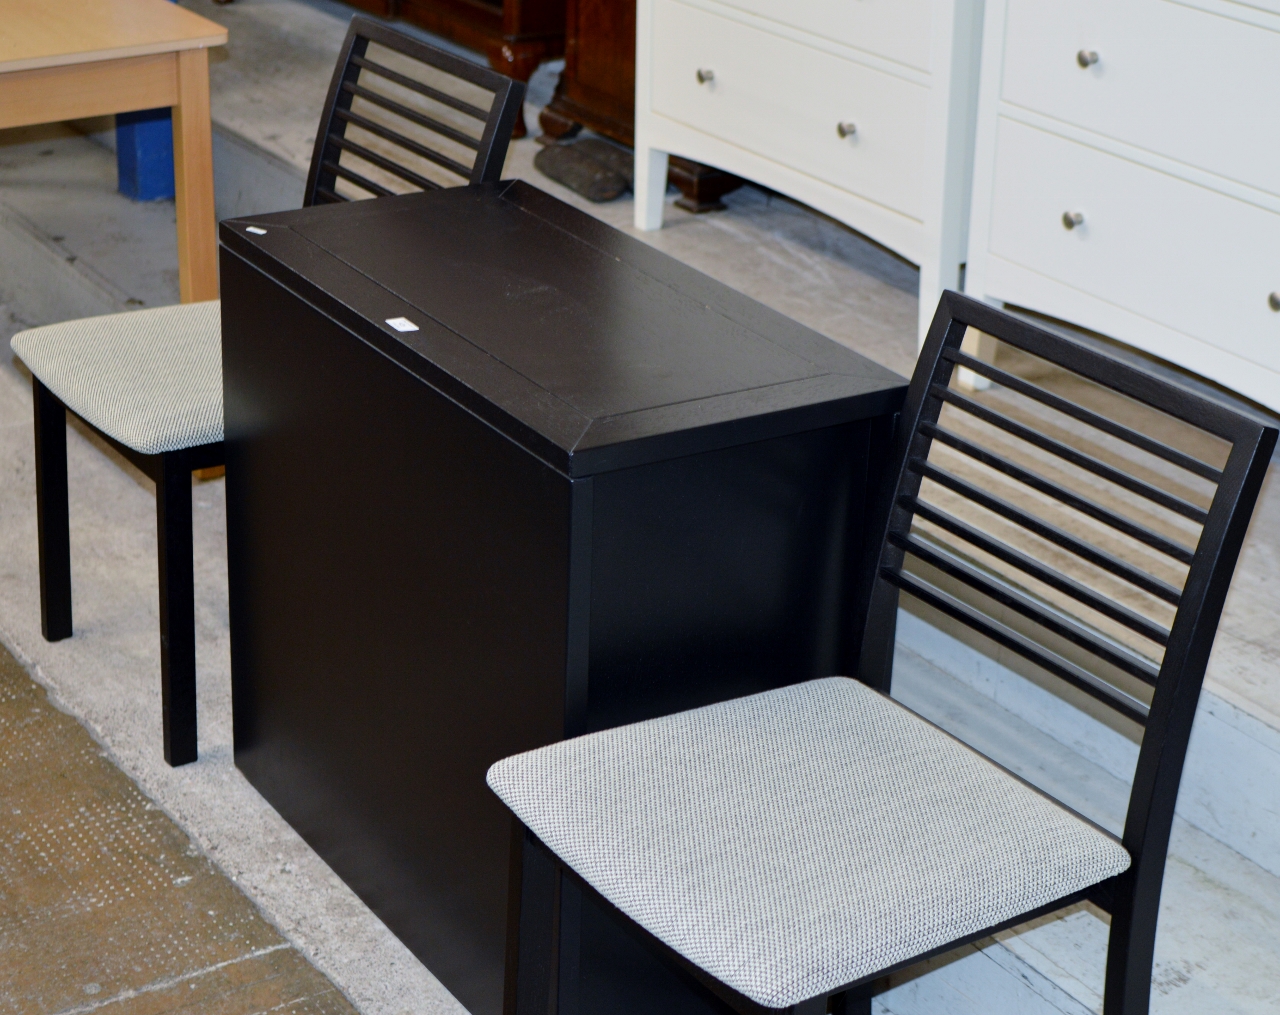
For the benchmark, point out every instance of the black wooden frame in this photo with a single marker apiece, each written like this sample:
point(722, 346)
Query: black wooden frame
point(172, 470)
point(535, 970)
point(491, 148)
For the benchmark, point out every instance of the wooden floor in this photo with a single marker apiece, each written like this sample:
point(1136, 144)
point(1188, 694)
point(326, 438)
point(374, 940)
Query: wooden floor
point(104, 902)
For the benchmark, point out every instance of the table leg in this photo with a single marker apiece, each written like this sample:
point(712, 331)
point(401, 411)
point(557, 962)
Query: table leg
point(193, 180)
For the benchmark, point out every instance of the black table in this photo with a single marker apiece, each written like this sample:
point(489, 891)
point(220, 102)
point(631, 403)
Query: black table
point(592, 486)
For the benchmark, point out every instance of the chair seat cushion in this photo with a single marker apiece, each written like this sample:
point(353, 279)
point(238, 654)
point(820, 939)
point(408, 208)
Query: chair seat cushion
point(152, 379)
point(794, 842)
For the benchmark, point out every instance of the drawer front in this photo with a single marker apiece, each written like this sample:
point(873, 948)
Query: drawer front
point(784, 100)
point(897, 30)
point(1181, 82)
point(1178, 254)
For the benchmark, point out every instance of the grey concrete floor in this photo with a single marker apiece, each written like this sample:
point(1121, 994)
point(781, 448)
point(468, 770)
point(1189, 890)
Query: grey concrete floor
point(268, 85)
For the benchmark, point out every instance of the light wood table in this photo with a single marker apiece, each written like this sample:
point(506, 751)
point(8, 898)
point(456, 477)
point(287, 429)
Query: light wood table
point(69, 59)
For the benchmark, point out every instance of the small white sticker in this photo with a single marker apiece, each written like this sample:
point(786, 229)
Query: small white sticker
point(255, 230)
point(402, 324)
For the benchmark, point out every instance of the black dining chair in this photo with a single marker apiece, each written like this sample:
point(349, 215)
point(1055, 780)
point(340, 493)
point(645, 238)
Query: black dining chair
point(791, 848)
point(401, 117)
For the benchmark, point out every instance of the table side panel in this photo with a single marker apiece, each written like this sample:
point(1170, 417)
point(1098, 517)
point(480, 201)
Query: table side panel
point(399, 582)
point(725, 573)
point(53, 94)
point(45, 34)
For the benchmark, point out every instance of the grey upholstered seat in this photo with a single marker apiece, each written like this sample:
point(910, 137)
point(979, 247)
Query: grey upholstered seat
point(793, 842)
point(152, 379)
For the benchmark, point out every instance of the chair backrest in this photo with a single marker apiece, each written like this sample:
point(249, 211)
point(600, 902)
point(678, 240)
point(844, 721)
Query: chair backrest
point(402, 116)
point(1083, 515)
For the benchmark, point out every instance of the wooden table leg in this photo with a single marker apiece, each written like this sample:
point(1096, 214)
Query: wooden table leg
point(193, 179)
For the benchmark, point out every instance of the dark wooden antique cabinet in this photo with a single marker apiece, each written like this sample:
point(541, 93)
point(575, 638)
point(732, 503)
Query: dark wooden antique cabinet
point(597, 90)
point(499, 474)
point(515, 35)
point(598, 85)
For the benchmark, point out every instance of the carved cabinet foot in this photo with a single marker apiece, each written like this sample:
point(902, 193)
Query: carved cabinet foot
point(701, 187)
point(556, 126)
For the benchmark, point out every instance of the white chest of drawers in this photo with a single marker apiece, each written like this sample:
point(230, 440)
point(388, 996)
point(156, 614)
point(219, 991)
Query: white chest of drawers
point(862, 109)
point(1151, 126)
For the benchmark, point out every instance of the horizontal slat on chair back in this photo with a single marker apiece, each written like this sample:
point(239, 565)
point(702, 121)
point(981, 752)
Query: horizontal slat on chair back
point(404, 117)
point(1059, 502)
point(1056, 516)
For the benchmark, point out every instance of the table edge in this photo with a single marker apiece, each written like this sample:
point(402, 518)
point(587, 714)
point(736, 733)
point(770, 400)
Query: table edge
point(119, 53)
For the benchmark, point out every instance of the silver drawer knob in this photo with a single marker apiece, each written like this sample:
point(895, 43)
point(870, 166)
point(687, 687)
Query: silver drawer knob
point(846, 129)
point(705, 75)
point(1071, 219)
point(1087, 58)
point(1273, 301)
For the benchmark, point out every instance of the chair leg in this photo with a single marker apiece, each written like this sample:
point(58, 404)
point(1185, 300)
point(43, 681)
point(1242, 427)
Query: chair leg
point(814, 1006)
point(53, 525)
point(1132, 941)
point(852, 1002)
point(177, 609)
point(531, 929)
point(568, 938)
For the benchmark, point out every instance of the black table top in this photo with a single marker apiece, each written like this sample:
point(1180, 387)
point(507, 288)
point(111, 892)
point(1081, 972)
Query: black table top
point(589, 347)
